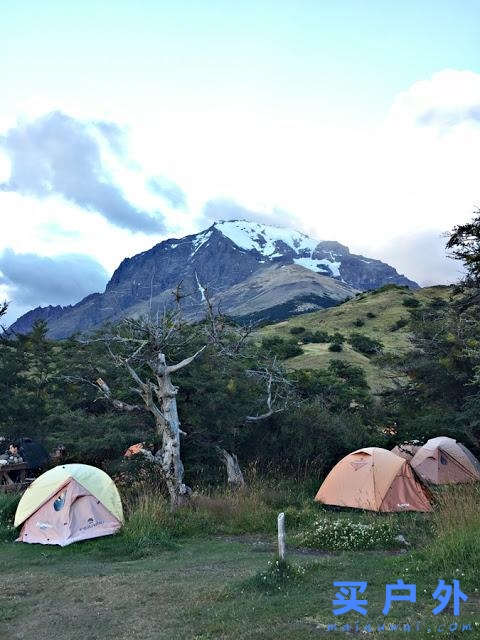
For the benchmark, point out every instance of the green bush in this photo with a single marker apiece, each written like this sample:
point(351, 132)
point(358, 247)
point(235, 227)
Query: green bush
point(335, 347)
point(411, 303)
point(358, 322)
point(338, 338)
point(399, 324)
point(8, 506)
point(306, 337)
point(371, 315)
point(296, 330)
point(282, 347)
point(353, 376)
point(438, 303)
point(320, 336)
point(315, 337)
point(364, 344)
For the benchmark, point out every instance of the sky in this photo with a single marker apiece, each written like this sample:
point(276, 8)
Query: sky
point(124, 123)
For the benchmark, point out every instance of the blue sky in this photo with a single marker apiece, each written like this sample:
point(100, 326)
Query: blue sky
point(344, 57)
point(354, 120)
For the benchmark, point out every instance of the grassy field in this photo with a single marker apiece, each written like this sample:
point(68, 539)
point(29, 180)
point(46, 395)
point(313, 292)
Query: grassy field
point(379, 311)
point(159, 579)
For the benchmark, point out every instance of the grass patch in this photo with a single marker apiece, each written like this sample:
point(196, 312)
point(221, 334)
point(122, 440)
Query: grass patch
point(279, 575)
point(225, 585)
point(383, 308)
point(455, 548)
point(8, 506)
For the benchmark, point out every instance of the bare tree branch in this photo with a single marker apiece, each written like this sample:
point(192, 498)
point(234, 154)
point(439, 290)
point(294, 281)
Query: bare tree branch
point(176, 367)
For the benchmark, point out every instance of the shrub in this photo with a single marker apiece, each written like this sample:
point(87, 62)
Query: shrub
point(358, 322)
point(296, 330)
point(320, 336)
point(344, 535)
point(411, 303)
point(371, 315)
point(354, 376)
point(279, 575)
point(336, 347)
point(438, 303)
point(364, 344)
point(399, 324)
point(283, 348)
point(307, 337)
point(315, 337)
point(8, 506)
point(338, 337)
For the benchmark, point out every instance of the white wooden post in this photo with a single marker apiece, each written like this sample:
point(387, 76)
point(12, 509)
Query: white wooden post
point(281, 535)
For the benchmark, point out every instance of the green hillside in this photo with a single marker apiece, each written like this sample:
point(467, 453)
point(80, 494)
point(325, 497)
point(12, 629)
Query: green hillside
point(379, 315)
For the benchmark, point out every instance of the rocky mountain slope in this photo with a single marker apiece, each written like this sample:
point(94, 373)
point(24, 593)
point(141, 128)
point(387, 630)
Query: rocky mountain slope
point(251, 270)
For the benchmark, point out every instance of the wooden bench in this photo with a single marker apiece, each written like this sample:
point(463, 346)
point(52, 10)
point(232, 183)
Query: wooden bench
point(21, 482)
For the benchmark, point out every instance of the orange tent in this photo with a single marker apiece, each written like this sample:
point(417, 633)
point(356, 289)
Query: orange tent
point(374, 479)
point(442, 460)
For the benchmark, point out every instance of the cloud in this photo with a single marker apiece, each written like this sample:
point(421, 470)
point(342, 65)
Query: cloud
point(168, 190)
point(422, 257)
point(447, 99)
point(449, 118)
point(57, 154)
point(32, 280)
point(227, 209)
point(114, 135)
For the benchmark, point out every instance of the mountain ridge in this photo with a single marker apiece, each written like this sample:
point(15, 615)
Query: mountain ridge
point(221, 258)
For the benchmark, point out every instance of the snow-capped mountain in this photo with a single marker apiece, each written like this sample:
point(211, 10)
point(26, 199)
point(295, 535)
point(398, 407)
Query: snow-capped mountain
point(251, 270)
point(277, 242)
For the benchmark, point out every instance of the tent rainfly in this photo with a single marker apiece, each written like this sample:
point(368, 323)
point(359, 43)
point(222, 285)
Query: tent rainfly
point(374, 479)
point(405, 450)
point(442, 460)
point(69, 503)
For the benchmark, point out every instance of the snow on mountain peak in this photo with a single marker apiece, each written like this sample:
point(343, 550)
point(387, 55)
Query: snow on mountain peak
point(250, 235)
point(270, 242)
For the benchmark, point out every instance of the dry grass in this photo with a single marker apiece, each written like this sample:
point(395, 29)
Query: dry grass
point(455, 549)
point(457, 506)
point(220, 511)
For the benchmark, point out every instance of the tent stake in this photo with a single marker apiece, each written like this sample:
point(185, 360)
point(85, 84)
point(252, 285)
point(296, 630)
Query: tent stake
point(281, 535)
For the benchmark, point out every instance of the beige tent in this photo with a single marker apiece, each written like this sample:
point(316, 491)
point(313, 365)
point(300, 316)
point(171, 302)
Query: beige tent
point(69, 503)
point(442, 460)
point(374, 479)
point(405, 450)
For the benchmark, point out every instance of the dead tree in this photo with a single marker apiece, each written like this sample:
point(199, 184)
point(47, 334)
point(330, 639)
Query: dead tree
point(3, 311)
point(139, 348)
point(235, 477)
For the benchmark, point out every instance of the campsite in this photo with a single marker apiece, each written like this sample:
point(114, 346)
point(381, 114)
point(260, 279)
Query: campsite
point(144, 498)
point(239, 320)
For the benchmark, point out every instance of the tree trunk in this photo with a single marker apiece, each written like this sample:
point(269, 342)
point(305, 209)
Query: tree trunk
point(168, 427)
point(235, 477)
